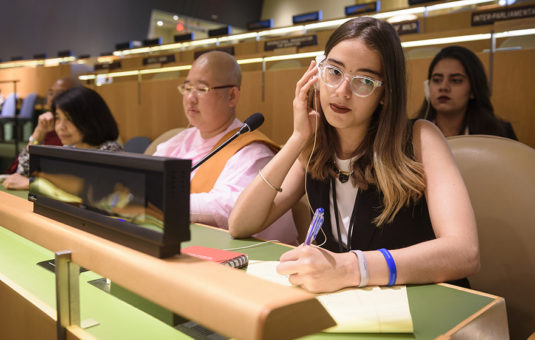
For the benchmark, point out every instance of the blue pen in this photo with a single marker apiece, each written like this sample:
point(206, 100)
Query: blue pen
point(315, 225)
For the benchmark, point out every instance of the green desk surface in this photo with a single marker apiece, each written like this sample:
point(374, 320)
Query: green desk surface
point(435, 308)
point(19, 193)
point(117, 319)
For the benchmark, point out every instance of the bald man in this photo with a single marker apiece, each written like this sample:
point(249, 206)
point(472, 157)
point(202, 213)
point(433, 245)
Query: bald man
point(210, 94)
point(42, 134)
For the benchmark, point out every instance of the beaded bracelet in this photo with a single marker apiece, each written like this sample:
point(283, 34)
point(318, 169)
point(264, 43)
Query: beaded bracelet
point(391, 266)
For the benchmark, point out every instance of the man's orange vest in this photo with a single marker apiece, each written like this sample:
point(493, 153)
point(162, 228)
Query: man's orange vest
point(208, 173)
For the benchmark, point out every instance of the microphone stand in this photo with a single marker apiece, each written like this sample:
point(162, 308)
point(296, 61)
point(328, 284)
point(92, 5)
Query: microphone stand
point(219, 148)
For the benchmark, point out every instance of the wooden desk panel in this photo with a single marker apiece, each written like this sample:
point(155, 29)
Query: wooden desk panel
point(252, 308)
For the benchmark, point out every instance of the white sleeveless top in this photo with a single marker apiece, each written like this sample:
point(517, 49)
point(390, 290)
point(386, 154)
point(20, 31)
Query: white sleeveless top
point(346, 194)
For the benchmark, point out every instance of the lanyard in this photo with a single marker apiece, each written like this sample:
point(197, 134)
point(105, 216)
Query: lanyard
point(351, 221)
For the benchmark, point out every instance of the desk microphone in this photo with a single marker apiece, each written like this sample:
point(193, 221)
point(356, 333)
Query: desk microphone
point(251, 123)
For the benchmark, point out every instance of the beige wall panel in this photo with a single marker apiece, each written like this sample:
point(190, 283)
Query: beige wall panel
point(32, 79)
point(512, 93)
point(416, 75)
point(280, 91)
point(161, 107)
point(122, 99)
point(186, 57)
point(251, 100)
point(133, 62)
point(445, 22)
point(249, 47)
point(245, 68)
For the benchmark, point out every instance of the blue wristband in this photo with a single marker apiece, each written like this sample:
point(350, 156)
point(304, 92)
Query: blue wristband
point(391, 266)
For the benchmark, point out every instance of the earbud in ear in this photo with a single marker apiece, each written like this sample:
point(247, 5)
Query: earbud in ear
point(426, 90)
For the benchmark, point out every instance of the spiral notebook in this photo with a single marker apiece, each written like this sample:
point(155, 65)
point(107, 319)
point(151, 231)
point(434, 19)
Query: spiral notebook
point(230, 258)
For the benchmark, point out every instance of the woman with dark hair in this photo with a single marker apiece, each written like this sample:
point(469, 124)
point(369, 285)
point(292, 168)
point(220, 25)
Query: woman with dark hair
point(372, 171)
point(457, 96)
point(81, 120)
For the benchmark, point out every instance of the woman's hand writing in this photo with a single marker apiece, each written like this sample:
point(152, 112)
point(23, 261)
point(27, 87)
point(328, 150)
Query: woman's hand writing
point(319, 270)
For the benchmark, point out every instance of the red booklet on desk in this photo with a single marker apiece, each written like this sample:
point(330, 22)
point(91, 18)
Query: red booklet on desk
point(226, 257)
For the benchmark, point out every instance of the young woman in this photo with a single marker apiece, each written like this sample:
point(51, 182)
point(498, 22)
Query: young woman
point(82, 120)
point(459, 100)
point(396, 208)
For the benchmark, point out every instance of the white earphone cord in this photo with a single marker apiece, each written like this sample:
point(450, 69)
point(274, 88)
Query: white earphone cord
point(310, 158)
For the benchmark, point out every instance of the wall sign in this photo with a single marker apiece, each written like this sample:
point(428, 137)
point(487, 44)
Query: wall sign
point(307, 40)
point(162, 59)
point(406, 27)
point(363, 8)
point(307, 17)
point(489, 17)
point(108, 66)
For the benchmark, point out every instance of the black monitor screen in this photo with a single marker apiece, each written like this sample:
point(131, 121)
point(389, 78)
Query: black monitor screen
point(141, 201)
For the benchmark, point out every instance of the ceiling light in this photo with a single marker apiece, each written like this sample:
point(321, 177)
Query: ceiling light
point(239, 36)
point(452, 4)
point(515, 33)
point(279, 31)
point(407, 11)
point(448, 40)
point(326, 24)
point(250, 61)
point(166, 69)
point(401, 18)
point(294, 56)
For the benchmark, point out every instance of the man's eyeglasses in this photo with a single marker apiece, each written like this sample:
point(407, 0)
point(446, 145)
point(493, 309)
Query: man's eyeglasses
point(361, 86)
point(199, 89)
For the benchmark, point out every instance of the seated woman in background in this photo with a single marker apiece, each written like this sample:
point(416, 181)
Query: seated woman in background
point(372, 171)
point(81, 120)
point(457, 96)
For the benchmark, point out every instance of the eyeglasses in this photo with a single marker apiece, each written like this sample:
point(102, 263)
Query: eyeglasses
point(360, 85)
point(199, 89)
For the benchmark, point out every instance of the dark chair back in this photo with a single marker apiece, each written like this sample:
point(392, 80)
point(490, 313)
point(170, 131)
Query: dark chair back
point(137, 144)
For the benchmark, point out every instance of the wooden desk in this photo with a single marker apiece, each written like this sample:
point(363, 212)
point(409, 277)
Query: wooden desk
point(437, 310)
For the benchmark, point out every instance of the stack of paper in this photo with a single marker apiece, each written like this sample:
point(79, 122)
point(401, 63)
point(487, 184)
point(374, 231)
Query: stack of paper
point(355, 310)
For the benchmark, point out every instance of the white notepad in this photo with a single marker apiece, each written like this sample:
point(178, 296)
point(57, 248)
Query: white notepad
point(355, 310)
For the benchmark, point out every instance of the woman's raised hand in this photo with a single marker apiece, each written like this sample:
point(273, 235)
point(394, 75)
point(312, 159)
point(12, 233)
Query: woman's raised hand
point(305, 116)
point(45, 124)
